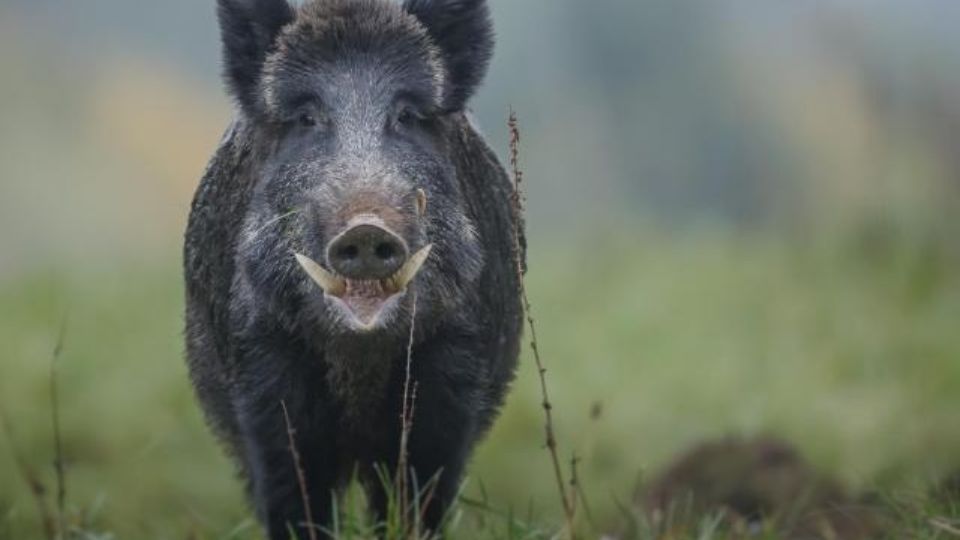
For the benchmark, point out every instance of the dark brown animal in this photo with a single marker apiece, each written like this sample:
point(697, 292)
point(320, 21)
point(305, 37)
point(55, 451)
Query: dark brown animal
point(350, 202)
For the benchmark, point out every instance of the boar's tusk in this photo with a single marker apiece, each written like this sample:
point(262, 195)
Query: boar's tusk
point(330, 283)
point(409, 270)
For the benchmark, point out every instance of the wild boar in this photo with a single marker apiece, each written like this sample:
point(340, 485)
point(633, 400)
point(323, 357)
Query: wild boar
point(351, 209)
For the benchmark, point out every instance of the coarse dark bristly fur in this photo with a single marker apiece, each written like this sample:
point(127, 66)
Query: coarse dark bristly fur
point(347, 107)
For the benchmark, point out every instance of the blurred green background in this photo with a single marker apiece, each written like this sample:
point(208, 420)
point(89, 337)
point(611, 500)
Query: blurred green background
point(743, 219)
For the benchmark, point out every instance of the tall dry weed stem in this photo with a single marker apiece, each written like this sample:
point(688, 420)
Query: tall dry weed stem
point(301, 477)
point(53, 520)
point(519, 207)
point(406, 421)
point(58, 464)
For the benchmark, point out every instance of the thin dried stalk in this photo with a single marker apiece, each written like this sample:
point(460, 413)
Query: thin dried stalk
point(301, 477)
point(31, 479)
point(406, 419)
point(577, 495)
point(574, 480)
point(431, 490)
point(58, 464)
point(518, 199)
point(942, 525)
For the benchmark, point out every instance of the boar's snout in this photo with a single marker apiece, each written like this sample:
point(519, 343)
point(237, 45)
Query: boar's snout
point(367, 251)
point(369, 265)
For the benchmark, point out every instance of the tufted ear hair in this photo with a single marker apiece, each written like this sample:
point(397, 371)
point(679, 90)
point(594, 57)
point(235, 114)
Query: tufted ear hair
point(248, 31)
point(463, 31)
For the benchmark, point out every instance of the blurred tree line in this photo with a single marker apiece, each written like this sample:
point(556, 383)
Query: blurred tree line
point(828, 115)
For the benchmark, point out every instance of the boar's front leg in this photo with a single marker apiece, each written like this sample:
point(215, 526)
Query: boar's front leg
point(440, 444)
point(274, 481)
point(448, 401)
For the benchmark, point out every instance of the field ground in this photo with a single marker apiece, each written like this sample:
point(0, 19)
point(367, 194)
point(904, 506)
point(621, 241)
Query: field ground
point(850, 351)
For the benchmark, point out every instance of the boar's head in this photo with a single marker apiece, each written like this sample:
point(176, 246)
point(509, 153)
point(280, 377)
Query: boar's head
point(357, 206)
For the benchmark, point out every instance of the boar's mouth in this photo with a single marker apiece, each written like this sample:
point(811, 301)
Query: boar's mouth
point(365, 300)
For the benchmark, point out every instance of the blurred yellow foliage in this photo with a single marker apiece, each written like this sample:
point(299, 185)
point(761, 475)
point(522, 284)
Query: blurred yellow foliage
point(157, 117)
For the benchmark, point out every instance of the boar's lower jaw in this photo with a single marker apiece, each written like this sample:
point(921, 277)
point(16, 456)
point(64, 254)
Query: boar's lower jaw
point(364, 301)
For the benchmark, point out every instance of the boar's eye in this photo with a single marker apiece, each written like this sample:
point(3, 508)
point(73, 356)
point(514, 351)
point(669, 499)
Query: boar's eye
point(306, 114)
point(307, 119)
point(407, 116)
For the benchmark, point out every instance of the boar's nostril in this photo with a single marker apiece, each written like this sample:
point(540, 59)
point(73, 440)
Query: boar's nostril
point(367, 252)
point(386, 250)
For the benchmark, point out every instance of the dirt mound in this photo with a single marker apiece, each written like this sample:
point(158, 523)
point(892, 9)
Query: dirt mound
point(758, 484)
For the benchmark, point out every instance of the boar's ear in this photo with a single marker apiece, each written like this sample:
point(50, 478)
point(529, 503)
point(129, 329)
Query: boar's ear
point(248, 30)
point(463, 31)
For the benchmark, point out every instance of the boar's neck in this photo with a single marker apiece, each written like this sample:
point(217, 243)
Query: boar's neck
point(358, 372)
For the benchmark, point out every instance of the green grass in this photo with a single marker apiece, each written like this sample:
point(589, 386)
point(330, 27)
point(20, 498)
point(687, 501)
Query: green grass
point(850, 352)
